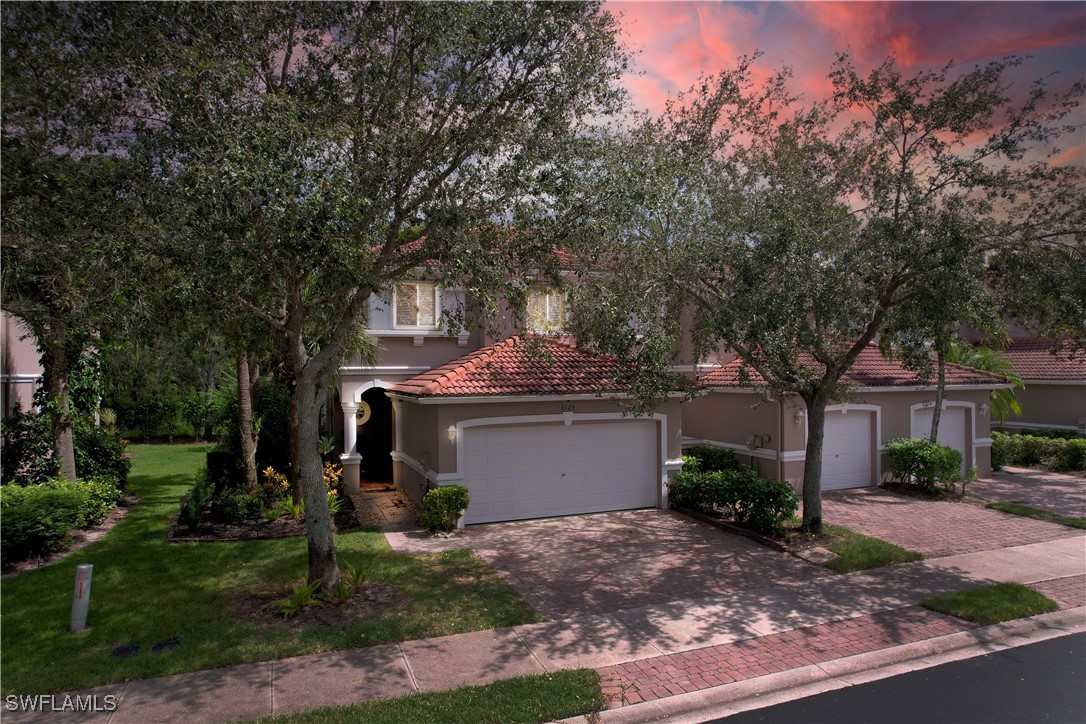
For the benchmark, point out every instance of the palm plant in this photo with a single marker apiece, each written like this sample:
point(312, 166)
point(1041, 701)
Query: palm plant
point(1004, 401)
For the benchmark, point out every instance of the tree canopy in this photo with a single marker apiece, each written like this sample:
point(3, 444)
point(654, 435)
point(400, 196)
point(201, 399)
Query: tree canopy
point(793, 233)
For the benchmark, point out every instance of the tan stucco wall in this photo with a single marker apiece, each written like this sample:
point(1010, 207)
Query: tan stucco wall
point(1045, 405)
point(425, 428)
point(19, 365)
point(730, 417)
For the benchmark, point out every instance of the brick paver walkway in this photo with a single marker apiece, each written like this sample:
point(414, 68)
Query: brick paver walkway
point(593, 564)
point(675, 674)
point(1068, 592)
point(1056, 492)
point(935, 527)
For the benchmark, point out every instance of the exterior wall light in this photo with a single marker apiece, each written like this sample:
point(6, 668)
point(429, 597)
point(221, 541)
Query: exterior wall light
point(983, 408)
point(799, 416)
point(451, 433)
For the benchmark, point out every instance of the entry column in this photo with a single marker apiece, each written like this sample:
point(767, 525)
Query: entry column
point(350, 458)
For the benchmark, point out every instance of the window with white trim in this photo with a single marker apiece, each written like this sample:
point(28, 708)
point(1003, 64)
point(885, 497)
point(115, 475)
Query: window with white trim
point(416, 305)
point(546, 310)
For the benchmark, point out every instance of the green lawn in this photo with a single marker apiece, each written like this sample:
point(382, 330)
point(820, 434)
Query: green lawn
point(546, 697)
point(992, 604)
point(859, 552)
point(146, 591)
point(1030, 512)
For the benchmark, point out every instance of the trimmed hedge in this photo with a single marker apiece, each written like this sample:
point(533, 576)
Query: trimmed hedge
point(709, 459)
point(99, 453)
point(1057, 454)
point(924, 463)
point(758, 503)
point(38, 519)
point(441, 507)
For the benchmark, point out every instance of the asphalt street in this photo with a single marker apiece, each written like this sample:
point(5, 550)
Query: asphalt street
point(1042, 682)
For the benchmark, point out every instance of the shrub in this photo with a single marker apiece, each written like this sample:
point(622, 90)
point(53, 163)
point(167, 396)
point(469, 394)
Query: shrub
point(1051, 453)
point(37, 519)
point(924, 463)
point(441, 507)
point(28, 449)
point(196, 501)
point(234, 507)
point(1001, 453)
point(712, 458)
point(1066, 455)
point(98, 496)
point(223, 470)
point(758, 503)
point(100, 453)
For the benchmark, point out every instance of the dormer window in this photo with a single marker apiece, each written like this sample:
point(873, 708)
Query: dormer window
point(546, 310)
point(416, 305)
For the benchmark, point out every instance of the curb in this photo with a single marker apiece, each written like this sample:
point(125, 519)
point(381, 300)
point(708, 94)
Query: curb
point(814, 679)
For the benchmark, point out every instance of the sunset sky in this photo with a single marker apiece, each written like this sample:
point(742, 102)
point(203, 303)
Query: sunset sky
point(675, 41)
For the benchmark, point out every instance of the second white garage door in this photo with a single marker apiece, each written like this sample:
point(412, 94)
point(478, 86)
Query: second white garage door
point(847, 450)
point(516, 472)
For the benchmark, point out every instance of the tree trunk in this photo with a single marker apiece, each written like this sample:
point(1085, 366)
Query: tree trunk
point(246, 429)
point(940, 394)
point(55, 362)
point(318, 521)
point(293, 470)
point(812, 466)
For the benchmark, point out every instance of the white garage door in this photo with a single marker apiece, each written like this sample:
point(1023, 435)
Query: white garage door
point(535, 471)
point(951, 429)
point(846, 450)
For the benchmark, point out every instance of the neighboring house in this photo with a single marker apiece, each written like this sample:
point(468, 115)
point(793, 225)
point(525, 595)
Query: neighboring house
point(20, 366)
point(888, 402)
point(1054, 397)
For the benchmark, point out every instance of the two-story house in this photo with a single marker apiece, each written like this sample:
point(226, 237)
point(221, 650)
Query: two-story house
point(535, 427)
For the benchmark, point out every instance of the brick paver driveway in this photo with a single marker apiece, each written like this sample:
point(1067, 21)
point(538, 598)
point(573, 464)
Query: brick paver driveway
point(1055, 492)
point(588, 564)
point(934, 527)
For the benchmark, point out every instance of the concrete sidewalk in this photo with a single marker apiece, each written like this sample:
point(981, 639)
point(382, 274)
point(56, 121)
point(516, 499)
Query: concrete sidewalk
point(858, 612)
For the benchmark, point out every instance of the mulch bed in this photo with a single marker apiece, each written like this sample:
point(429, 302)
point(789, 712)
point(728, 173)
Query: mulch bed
point(81, 538)
point(285, 527)
point(370, 599)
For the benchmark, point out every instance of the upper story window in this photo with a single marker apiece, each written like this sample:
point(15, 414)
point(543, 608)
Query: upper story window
point(546, 310)
point(416, 305)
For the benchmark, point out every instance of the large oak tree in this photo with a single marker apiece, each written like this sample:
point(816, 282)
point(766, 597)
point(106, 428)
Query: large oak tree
point(793, 232)
point(304, 156)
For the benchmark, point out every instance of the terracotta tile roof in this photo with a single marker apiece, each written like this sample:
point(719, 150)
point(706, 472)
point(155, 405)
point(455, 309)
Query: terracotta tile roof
point(518, 367)
point(1033, 360)
point(871, 369)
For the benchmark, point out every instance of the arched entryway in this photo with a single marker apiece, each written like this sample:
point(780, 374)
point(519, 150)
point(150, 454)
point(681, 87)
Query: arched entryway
point(375, 435)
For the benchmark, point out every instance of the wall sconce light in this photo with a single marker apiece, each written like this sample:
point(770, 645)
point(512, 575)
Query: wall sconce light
point(451, 432)
point(984, 408)
point(799, 416)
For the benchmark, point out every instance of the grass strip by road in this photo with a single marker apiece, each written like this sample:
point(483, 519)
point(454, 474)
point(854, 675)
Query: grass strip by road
point(541, 698)
point(1030, 512)
point(992, 604)
point(147, 591)
point(858, 552)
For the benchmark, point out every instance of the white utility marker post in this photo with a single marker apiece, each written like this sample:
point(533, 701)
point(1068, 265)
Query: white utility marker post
point(81, 596)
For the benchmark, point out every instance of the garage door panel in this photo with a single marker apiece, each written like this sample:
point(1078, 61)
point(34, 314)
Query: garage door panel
point(847, 450)
point(952, 429)
point(533, 471)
